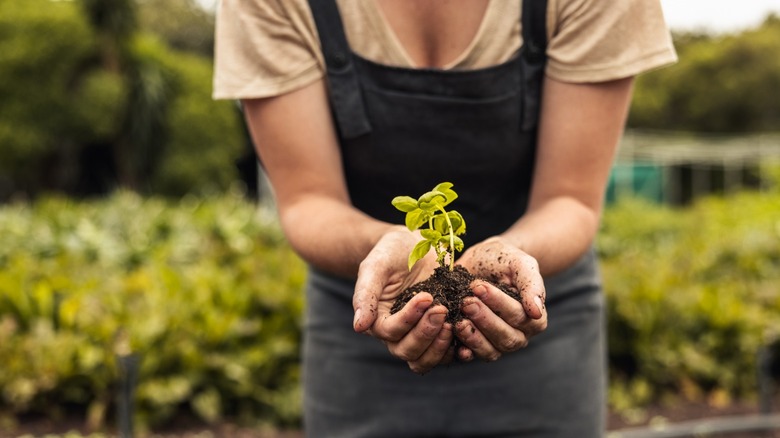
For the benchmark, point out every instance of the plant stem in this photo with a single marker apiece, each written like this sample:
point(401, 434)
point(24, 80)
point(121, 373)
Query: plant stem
point(452, 238)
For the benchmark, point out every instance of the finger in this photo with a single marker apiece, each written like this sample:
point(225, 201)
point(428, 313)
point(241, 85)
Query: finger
point(439, 351)
point(465, 354)
point(417, 340)
point(394, 327)
point(531, 286)
point(368, 287)
point(420, 338)
point(476, 341)
point(501, 335)
point(503, 305)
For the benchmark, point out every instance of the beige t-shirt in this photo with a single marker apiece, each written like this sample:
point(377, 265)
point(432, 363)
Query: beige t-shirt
point(270, 47)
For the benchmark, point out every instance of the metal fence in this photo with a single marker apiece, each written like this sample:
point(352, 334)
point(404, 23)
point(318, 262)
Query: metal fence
point(676, 168)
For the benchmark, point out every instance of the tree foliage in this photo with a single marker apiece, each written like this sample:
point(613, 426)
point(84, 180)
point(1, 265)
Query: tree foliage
point(90, 103)
point(44, 50)
point(722, 83)
point(182, 24)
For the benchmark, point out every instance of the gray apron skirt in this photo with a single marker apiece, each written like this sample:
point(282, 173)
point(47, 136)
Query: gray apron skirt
point(401, 132)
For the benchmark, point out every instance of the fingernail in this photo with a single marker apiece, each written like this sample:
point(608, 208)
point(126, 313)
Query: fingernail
point(480, 291)
point(437, 318)
point(539, 304)
point(470, 309)
point(423, 306)
point(357, 318)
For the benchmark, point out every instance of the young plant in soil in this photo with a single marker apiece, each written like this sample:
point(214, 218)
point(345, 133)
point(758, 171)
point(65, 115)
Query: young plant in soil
point(440, 229)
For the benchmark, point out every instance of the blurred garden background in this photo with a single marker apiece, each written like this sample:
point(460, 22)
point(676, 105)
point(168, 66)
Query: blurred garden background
point(142, 270)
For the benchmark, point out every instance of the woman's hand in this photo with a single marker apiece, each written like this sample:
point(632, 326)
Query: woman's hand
point(495, 322)
point(417, 333)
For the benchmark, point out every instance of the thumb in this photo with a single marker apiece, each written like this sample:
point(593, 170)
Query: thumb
point(368, 287)
point(365, 304)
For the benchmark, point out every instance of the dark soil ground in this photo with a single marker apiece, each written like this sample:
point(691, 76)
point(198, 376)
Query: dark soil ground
point(190, 428)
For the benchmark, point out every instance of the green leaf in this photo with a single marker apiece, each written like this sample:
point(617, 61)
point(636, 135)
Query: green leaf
point(431, 235)
point(444, 240)
point(405, 203)
point(415, 219)
point(458, 223)
point(440, 224)
point(430, 201)
point(446, 189)
point(420, 250)
point(458, 244)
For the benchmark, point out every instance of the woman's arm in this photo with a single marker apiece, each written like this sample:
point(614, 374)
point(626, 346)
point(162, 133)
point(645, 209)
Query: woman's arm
point(295, 139)
point(580, 128)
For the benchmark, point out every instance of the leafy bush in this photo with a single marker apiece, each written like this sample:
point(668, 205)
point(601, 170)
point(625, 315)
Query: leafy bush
point(692, 296)
point(205, 291)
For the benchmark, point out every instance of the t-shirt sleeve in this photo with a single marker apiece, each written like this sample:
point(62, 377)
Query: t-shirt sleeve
point(601, 40)
point(263, 48)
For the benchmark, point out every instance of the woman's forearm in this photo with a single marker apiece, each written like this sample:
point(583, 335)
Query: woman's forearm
point(580, 128)
point(330, 235)
point(556, 234)
point(304, 166)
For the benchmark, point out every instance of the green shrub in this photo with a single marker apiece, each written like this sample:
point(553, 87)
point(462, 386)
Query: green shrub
point(692, 295)
point(205, 291)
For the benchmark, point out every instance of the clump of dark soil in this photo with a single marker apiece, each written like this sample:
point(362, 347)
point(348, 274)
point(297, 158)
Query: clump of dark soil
point(449, 288)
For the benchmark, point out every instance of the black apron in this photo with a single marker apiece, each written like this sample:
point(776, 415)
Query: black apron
point(402, 131)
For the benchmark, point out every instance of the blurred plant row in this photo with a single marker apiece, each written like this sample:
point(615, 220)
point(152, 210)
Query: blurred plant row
point(204, 291)
point(693, 295)
point(208, 295)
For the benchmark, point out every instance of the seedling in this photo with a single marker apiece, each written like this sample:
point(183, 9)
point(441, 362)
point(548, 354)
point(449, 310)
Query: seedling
point(443, 227)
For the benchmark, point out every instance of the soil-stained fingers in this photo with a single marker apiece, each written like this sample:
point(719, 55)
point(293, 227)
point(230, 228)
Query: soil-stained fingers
point(502, 336)
point(472, 338)
point(503, 306)
point(372, 279)
point(418, 339)
point(528, 280)
point(441, 351)
point(500, 261)
point(393, 327)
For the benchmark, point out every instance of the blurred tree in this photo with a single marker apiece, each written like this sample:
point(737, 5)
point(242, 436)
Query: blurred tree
point(138, 142)
point(203, 137)
point(88, 103)
point(114, 22)
point(45, 52)
point(183, 24)
point(726, 83)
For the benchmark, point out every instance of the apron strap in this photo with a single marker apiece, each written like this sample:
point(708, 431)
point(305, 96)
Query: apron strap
point(533, 57)
point(346, 97)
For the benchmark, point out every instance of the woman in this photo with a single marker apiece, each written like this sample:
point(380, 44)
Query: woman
point(351, 103)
